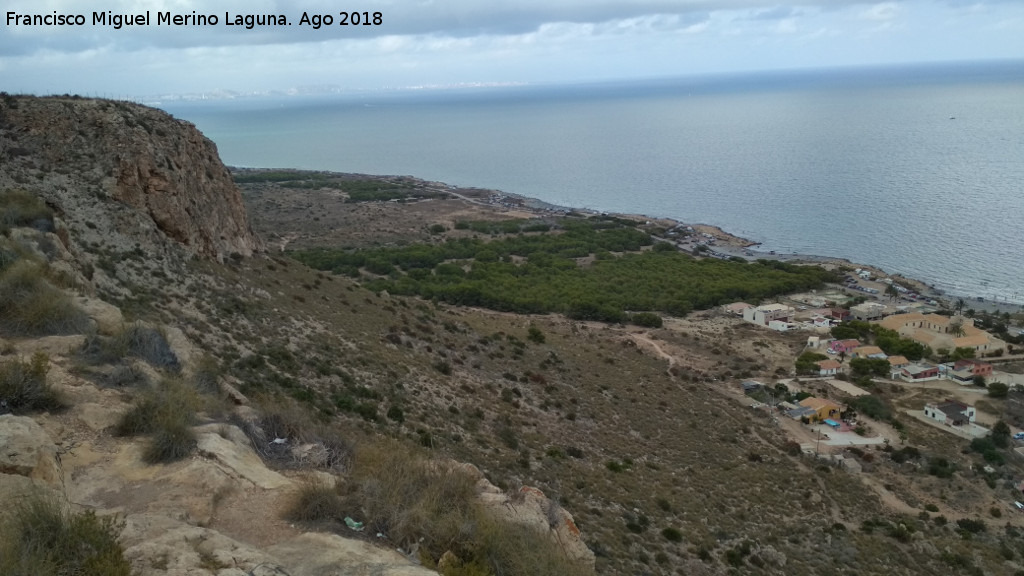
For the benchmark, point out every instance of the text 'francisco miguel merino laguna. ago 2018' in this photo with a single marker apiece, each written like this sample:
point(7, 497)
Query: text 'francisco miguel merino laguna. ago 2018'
point(248, 21)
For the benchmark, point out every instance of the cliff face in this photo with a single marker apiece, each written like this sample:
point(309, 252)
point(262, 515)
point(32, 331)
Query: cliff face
point(141, 157)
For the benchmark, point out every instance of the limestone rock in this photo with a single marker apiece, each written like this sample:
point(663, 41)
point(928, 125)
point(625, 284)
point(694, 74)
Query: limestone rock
point(14, 488)
point(164, 175)
point(158, 545)
point(188, 490)
point(51, 345)
point(27, 450)
point(235, 454)
point(530, 508)
point(314, 554)
point(108, 318)
point(183, 348)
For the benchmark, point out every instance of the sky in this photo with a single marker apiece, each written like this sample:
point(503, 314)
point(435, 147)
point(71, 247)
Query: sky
point(457, 42)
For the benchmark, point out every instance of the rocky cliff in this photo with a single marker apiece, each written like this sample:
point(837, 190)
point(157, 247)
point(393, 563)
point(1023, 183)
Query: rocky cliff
point(76, 152)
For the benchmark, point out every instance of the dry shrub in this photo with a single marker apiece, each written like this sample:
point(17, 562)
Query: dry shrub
point(38, 537)
point(166, 412)
point(316, 502)
point(31, 305)
point(138, 340)
point(399, 491)
point(19, 208)
point(24, 387)
point(282, 426)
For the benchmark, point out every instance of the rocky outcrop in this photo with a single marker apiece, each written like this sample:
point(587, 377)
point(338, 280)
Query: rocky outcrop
point(27, 450)
point(530, 508)
point(84, 149)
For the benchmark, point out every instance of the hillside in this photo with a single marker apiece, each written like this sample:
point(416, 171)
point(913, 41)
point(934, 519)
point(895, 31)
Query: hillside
point(639, 433)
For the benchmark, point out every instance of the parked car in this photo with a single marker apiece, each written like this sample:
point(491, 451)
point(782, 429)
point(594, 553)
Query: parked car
point(1018, 436)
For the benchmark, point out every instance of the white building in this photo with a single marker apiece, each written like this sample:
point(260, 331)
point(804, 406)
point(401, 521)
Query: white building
point(764, 314)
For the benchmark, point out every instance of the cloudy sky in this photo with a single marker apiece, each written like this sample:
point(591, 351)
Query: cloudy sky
point(442, 42)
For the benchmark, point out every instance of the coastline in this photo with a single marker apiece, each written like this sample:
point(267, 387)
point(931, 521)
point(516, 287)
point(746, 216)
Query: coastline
point(728, 245)
point(719, 242)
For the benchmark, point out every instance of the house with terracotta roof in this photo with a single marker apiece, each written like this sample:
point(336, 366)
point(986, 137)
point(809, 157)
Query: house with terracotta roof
point(867, 352)
point(896, 365)
point(950, 412)
point(822, 408)
point(839, 346)
point(939, 331)
point(828, 367)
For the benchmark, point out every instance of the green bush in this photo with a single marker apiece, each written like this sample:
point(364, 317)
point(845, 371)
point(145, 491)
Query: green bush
point(872, 406)
point(941, 467)
point(646, 319)
point(672, 534)
point(998, 390)
point(39, 538)
point(23, 385)
point(972, 526)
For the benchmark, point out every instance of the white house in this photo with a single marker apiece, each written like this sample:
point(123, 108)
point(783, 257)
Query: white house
point(950, 413)
point(764, 314)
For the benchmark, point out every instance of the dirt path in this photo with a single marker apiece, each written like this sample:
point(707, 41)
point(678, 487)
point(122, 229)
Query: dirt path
point(889, 500)
point(651, 344)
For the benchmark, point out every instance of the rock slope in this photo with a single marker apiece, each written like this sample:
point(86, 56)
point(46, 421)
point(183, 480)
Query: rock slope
point(78, 152)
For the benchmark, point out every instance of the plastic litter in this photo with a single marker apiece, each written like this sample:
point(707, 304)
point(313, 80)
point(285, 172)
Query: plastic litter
point(357, 526)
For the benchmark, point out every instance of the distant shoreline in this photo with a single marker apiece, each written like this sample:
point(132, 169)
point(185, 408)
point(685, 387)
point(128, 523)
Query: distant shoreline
point(730, 245)
point(740, 247)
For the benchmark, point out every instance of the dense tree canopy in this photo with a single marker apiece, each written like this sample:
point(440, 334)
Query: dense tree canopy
point(539, 273)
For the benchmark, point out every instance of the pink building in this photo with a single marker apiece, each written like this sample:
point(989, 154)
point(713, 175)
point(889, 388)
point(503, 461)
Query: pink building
point(837, 346)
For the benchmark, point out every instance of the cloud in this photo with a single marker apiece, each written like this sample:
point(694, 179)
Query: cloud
point(881, 12)
point(456, 18)
point(453, 41)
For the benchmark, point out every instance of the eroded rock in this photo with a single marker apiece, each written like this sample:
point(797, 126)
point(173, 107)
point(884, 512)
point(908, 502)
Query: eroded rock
point(27, 450)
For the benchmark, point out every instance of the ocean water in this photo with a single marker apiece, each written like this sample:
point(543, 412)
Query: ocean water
point(917, 170)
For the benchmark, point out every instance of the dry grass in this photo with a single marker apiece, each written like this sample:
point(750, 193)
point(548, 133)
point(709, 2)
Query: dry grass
point(38, 537)
point(24, 387)
point(316, 502)
point(20, 208)
point(281, 425)
point(166, 413)
point(31, 305)
point(402, 493)
point(138, 340)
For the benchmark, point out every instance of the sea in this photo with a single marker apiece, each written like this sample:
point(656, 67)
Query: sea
point(918, 170)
